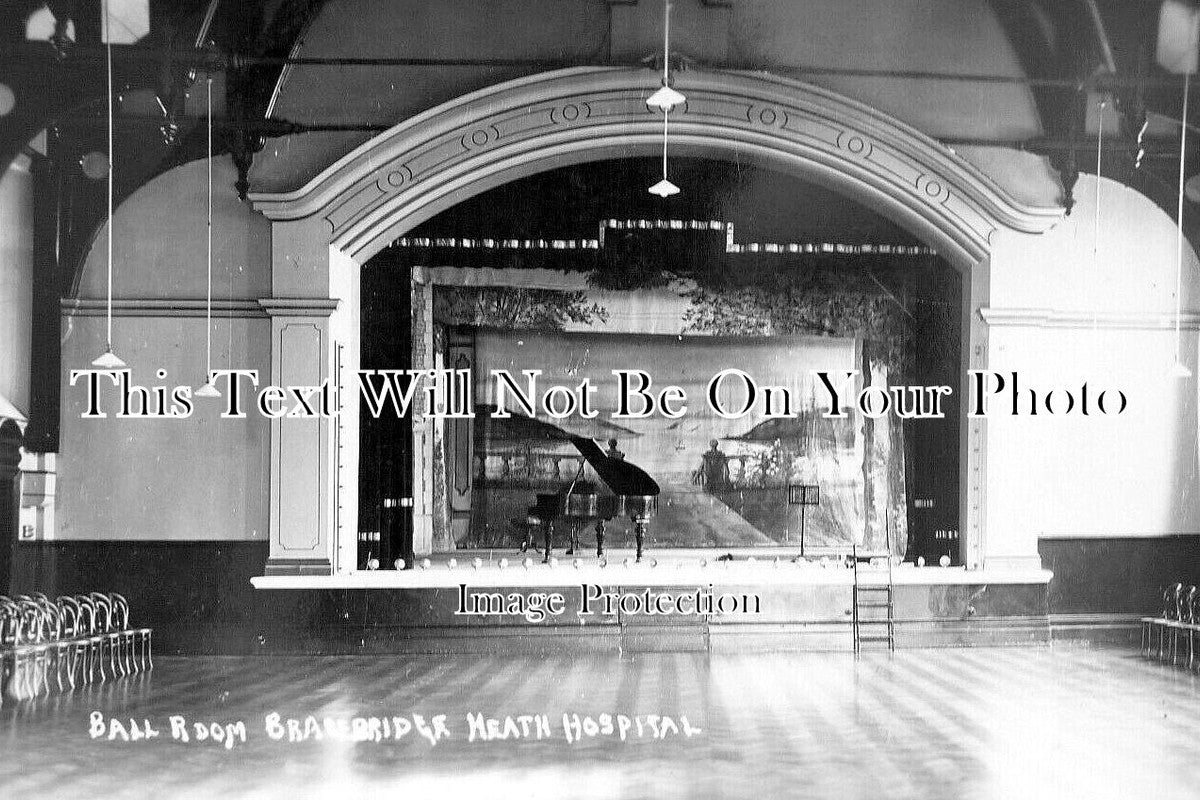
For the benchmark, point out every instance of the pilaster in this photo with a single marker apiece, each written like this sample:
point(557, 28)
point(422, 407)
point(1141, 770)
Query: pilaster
point(303, 491)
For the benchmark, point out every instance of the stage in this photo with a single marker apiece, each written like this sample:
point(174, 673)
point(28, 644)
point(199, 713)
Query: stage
point(777, 604)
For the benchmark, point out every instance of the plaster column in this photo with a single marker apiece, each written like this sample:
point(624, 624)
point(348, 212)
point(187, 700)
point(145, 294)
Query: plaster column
point(303, 501)
point(973, 441)
point(998, 495)
point(16, 282)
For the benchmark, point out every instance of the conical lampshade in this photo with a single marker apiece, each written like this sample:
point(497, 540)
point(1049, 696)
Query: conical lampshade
point(108, 360)
point(664, 188)
point(207, 390)
point(665, 98)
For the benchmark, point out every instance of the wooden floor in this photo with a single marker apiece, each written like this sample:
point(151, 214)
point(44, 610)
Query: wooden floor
point(1062, 722)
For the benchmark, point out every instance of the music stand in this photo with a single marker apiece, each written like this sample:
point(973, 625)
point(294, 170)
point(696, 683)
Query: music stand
point(803, 495)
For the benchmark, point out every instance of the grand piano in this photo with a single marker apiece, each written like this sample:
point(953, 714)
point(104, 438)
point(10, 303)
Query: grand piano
point(634, 494)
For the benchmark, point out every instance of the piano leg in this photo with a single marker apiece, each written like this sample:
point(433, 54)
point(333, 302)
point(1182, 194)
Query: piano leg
point(548, 528)
point(639, 530)
point(599, 538)
point(573, 541)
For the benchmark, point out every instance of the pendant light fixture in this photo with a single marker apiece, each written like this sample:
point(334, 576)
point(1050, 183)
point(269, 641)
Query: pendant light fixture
point(208, 389)
point(108, 359)
point(1178, 369)
point(665, 99)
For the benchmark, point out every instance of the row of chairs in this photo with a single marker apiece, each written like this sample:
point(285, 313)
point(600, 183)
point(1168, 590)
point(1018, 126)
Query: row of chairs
point(79, 640)
point(1169, 635)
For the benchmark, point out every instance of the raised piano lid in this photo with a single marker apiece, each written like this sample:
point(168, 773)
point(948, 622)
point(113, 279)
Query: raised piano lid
point(620, 476)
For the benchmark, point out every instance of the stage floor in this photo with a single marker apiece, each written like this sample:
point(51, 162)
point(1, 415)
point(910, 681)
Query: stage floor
point(666, 567)
point(1061, 722)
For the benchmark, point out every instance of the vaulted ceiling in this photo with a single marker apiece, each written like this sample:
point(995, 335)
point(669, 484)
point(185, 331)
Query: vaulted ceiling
point(298, 83)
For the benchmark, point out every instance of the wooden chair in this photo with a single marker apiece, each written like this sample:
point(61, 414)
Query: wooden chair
point(1168, 625)
point(8, 642)
point(67, 646)
point(31, 650)
point(1153, 627)
point(136, 642)
point(90, 643)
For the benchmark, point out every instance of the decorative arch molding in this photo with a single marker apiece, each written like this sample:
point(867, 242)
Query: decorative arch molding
point(496, 135)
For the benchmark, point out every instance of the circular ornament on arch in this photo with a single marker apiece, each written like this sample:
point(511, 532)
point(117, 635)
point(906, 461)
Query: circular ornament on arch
point(771, 117)
point(933, 188)
point(480, 137)
point(394, 179)
point(570, 112)
point(855, 144)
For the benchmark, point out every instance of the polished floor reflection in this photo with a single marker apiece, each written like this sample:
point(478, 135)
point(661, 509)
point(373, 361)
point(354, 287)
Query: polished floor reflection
point(996, 723)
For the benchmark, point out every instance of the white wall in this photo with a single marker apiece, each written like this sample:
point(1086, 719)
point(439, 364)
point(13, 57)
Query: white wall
point(1062, 312)
point(197, 478)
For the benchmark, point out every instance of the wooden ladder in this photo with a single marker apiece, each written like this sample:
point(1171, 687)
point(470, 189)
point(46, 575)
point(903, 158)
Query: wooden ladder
point(880, 596)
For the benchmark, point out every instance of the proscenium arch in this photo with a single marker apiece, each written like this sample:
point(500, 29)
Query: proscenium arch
point(441, 157)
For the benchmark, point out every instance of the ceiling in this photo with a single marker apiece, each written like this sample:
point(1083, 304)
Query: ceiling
point(297, 83)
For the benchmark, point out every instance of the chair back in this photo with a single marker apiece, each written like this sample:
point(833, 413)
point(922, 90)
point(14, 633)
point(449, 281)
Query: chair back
point(1172, 600)
point(104, 621)
point(68, 617)
point(87, 614)
point(120, 611)
point(31, 623)
point(9, 619)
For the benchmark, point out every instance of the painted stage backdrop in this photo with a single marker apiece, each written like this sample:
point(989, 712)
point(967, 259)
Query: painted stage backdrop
point(724, 482)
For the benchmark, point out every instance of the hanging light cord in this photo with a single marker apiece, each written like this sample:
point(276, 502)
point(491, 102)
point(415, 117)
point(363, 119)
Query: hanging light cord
point(666, 41)
point(1099, 151)
point(666, 114)
point(1179, 216)
point(108, 58)
point(1096, 232)
point(666, 74)
point(666, 79)
point(208, 231)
